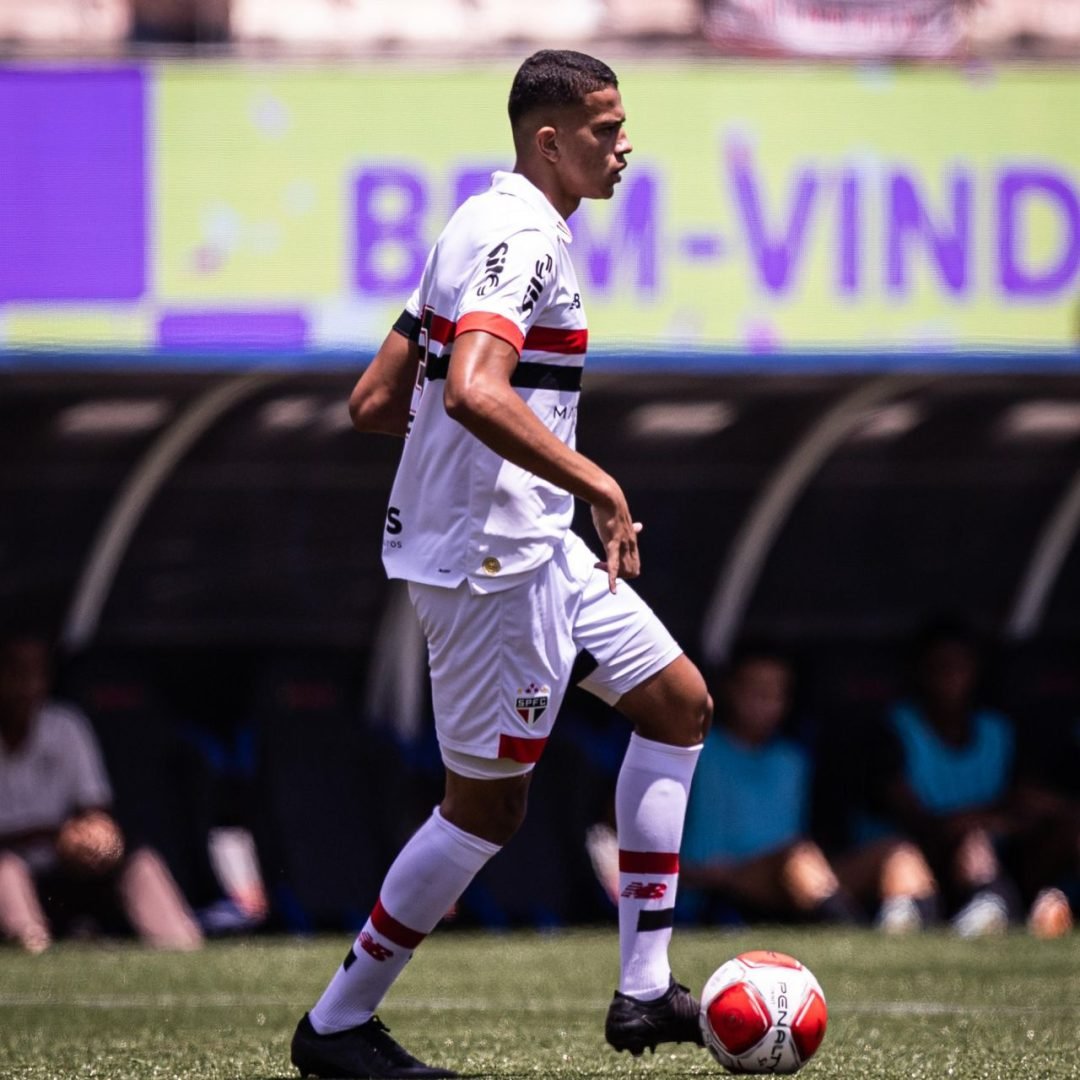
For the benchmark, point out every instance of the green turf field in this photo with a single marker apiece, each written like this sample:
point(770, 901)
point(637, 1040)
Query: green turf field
point(925, 1008)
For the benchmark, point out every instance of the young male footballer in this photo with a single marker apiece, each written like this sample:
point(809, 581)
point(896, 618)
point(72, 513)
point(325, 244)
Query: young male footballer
point(481, 374)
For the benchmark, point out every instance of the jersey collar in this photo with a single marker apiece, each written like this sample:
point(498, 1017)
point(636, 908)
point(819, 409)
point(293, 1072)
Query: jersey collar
point(515, 184)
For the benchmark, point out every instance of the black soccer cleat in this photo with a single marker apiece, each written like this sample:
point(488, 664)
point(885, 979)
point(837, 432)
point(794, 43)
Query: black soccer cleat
point(358, 1053)
point(672, 1018)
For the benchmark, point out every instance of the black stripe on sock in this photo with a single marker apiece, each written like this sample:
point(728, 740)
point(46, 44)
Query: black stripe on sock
point(349, 960)
point(656, 919)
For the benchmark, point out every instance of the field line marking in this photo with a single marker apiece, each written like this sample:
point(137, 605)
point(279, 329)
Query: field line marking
point(230, 1001)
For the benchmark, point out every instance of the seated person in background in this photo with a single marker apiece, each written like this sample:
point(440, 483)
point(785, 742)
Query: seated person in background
point(746, 840)
point(1047, 802)
point(944, 769)
point(62, 857)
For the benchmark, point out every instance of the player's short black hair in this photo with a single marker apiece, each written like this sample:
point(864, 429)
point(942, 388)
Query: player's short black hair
point(556, 77)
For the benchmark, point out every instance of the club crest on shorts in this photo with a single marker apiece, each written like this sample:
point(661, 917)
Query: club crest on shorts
point(532, 702)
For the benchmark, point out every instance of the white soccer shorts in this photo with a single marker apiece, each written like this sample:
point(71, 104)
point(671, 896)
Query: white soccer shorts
point(501, 662)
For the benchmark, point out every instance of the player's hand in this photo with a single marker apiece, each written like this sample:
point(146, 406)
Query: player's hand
point(618, 533)
point(90, 842)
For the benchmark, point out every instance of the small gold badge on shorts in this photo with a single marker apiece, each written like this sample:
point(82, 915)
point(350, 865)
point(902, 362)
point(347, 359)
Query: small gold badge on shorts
point(491, 565)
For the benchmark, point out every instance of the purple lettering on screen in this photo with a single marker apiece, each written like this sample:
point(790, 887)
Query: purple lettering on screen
point(632, 243)
point(850, 238)
point(1015, 188)
point(73, 203)
point(400, 230)
point(776, 253)
point(232, 329)
point(949, 244)
point(469, 181)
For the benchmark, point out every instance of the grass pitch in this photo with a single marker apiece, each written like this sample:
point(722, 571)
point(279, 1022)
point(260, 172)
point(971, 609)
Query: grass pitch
point(925, 1008)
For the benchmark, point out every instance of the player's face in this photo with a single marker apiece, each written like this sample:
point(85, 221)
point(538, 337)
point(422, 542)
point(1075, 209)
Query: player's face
point(593, 146)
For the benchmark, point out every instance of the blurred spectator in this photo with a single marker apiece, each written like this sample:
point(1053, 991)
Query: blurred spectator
point(86, 22)
point(917, 29)
point(172, 785)
point(180, 22)
point(62, 856)
point(944, 768)
point(457, 24)
point(747, 839)
point(1025, 26)
point(1048, 803)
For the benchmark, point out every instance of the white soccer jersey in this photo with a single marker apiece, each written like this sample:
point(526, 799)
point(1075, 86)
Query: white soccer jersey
point(58, 772)
point(458, 511)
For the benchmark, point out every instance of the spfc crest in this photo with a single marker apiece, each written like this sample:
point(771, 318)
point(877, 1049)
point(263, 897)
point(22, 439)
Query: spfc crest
point(532, 702)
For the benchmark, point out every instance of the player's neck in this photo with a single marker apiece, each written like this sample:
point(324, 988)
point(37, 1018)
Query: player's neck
point(546, 183)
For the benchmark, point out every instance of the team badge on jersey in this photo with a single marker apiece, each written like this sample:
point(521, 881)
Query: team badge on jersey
point(532, 702)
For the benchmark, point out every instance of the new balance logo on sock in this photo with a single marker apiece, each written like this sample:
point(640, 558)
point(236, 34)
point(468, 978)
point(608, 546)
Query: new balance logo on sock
point(373, 948)
point(645, 890)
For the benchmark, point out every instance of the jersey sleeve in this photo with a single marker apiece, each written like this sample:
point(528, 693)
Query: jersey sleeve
point(509, 287)
point(408, 322)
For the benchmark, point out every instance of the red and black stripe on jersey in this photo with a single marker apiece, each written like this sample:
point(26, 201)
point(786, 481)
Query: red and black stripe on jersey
point(529, 374)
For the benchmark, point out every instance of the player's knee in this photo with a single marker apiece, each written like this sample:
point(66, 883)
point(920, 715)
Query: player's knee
point(975, 861)
point(14, 871)
point(905, 872)
point(493, 810)
point(806, 874)
point(508, 814)
point(688, 721)
point(706, 715)
point(694, 715)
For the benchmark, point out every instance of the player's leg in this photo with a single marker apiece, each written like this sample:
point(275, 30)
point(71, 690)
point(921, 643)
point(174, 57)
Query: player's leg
point(670, 711)
point(810, 882)
point(342, 1036)
point(426, 879)
point(21, 917)
point(755, 883)
point(641, 670)
point(988, 897)
point(479, 648)
point(795, 879)
point(893, 874)
point(154, 905)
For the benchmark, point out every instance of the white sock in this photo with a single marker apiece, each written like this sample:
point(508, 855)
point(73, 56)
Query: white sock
point(432, 870)
point(650, 806)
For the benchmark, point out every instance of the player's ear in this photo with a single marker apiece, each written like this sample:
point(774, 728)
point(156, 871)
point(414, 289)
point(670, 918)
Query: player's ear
point(547, 143)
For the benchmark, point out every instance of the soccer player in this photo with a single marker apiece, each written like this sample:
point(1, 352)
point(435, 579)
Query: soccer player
point(481, 374)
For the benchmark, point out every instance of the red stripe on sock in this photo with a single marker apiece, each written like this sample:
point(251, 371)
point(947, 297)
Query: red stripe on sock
point(648, 862)
point(389, 927)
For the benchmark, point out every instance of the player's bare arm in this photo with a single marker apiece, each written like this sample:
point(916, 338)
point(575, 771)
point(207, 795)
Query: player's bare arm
point(479, 396)
point(381, 399)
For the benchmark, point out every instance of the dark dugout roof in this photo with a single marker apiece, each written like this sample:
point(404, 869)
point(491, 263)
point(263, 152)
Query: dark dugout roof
point(799, 506)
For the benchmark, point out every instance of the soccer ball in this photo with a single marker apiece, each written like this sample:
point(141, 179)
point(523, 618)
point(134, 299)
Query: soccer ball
point(763, 1012)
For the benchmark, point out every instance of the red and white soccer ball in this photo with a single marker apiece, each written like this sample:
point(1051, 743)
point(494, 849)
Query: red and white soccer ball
point(763, 1012)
